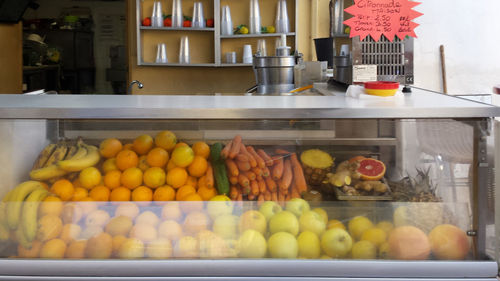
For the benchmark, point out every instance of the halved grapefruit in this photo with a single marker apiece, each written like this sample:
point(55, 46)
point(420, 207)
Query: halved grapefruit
point(371, 169)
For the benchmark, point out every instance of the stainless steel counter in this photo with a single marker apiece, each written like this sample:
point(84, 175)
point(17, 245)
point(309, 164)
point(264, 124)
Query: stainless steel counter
point(420, 104)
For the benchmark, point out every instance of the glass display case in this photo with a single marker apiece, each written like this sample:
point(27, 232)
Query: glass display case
point(244, 188)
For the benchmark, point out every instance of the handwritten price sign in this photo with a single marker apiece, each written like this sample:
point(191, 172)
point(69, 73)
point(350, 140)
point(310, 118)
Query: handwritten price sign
point(382, 17)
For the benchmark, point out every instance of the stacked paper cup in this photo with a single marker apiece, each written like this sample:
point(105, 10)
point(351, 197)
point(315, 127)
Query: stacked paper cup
point(282, 20)
point(254, 17)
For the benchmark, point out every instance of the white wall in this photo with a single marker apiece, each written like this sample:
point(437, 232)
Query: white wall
point(470, 32)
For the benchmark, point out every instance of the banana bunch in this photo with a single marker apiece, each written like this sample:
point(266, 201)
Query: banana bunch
point(19, 212)
point(58, 160)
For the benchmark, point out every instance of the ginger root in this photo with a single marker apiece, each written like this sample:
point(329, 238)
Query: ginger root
point(351, 168)
point(339, 179)
point(368, 186)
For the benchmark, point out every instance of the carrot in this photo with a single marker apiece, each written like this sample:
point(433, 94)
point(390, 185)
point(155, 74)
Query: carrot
point(295, 193)
point(252, 160)
point(278, 169)
point(259, 178)
point(242, 157)
point(288, 197)
point(260, 162)
point(267, 196)
point(265, 172)
point(225, 151)
point(265, 157)
point(209, 176)
point(251, 197)
point(202, 182)
point(286, 181)
point(255, 188)
point(257, 171)
point(271, 185)
point(284, 191)
point(240, 197)
point(274, 196)
point(235, 148)
point(233, 194)
point(282, 152)
point(262, 186)
point(243, 166)
point(232, 168)
point(243, 180)
point(233, 180)
point(298, 174)
point(260, 199)
point(281, 198)
point(245, 190)
point(251, 175)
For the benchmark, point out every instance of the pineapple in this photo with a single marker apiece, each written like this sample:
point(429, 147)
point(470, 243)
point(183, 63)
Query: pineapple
point(317, 164)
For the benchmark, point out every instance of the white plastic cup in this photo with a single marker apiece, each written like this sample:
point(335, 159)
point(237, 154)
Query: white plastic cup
point(157, 16)
point(344, 50)
point(177, 16)
point(226, 21)
point(261, 48)
point(231, 57)
point(282, 21)
point(184, 53)
point(247, 54)
point(255, 19)
point(198, 16)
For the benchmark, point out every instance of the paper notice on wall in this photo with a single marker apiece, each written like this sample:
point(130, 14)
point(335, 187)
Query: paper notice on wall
point(364, 73)
point(375, 18)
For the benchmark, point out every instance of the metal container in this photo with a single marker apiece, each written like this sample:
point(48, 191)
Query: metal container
point(342, 69)
point(274, 75)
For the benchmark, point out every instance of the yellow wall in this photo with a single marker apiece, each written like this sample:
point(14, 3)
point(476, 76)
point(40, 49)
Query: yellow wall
point(11, 59)
point(312, 22)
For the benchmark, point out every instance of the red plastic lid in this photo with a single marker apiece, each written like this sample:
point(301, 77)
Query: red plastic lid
point(382, 85)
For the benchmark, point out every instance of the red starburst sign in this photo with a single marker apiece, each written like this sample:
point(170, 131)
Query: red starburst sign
point(382, 17)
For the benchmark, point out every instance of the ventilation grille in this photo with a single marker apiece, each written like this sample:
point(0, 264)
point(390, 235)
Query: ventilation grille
point(388, 56)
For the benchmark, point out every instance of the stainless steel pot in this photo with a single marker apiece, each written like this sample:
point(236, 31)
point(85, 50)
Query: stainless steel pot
point(274, 75)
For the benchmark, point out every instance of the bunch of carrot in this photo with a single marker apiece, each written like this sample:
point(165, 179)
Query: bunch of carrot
point(255, 175)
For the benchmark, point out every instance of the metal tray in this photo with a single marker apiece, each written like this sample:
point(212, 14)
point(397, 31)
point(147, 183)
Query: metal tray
point(385, 197)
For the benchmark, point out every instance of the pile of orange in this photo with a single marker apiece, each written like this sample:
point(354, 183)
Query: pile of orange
point(148, 169)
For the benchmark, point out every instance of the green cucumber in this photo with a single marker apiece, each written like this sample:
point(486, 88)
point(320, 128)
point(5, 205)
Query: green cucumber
point(221, 180)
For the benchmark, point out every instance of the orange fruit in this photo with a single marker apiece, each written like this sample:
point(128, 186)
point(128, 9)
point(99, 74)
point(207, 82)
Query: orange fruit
point(142, 193)
point(166, 140)
point(181, 144)
point(109, 165)
point(72, 213)
point(49, 227)
point(64, 189)
point(128, 209)
point(202, 182)
point(170, 229)
point(90, 177)
point(356, 158)
point(100, 246)
point(53, 249)
point(193, 203)
point(80, 193)
point(371, 169)
point(195, 222)
point(170, 165)
point(126, 159)
point(110, 147)
point(143, 163)
point(131, 178)
point(183, 156)
point(171, 211)
point(157, 157)
point(76, 250)
point(154, 177)
point(112, 179)
point(143, 144)
point(183, 192)
point(192, 181)
point(120, 194)
point(70, 232)
point(51, 205)
point(164, 193)
point(201, 149)
point(100, 193)
point(147, 217)
point(144, 232)
point(177, 177)
point(198, 167)
point(117, 243)
point(128, 146)
point(207, 193)
point(32, 253)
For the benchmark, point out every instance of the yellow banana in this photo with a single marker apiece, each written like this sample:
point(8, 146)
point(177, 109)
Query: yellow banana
point(44, 156)
point(29, 214)
point(16, 201)
point(47, 173)
point(21, 239)
point(89, 160)
point(58, 154)
point(71, 151)
point(80, 153)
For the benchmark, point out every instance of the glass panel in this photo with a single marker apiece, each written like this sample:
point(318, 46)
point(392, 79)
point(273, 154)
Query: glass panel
point(373, 189)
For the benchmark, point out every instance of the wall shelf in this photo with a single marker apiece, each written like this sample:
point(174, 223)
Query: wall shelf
point(179, 64)
point(263, 35)
point(208, 29)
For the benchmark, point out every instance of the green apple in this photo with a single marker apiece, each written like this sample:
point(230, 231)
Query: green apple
point(253, 220)
point(269, 209)
point(312, 221)
point(252, 244)
point(309, 245)
point(323, 214)
point(226, 226)
point(283, 245)
point(284, 221)
point(336, 242)
point(219, 205)
point(297, 206)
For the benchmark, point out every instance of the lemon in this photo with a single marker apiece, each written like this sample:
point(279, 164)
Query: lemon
point(375, 235)
point(271, 29)
point(386, 226)
point(383, 251)
point(358, 225)
point(335, 224)
point(244, 30)
point(183, 156)
point(364, 250)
